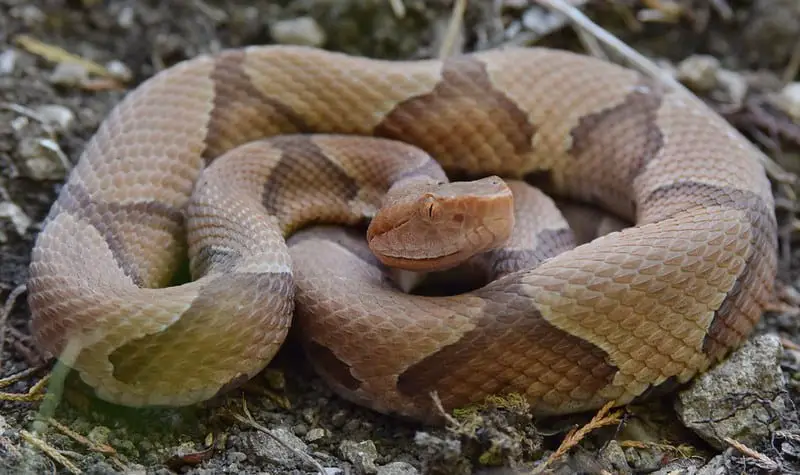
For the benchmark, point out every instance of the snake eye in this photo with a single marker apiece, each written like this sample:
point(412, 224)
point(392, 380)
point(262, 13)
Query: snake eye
point(428, 207)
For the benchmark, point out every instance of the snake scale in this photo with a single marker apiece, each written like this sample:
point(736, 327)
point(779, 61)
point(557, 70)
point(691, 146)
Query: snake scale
point(217, 158)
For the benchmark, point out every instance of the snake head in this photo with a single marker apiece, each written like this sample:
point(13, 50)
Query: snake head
point(432, 226)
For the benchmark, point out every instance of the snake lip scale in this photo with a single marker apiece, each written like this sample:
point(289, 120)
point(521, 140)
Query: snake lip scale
point(228, 157)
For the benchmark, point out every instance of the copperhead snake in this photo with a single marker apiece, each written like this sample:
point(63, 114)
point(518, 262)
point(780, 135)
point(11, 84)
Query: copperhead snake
point(216, 157)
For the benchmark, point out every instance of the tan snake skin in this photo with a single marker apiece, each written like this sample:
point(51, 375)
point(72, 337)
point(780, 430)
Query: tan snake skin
point(608, 320)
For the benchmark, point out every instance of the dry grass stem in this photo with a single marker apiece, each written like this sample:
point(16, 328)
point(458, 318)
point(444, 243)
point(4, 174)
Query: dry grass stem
point(453, 28)
point(601, 419)
point(50, 451)
point(766, 462)
point(252, 423)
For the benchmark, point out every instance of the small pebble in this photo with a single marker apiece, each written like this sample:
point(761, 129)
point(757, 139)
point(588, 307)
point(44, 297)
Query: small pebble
point(734, 84)
point(303, 31)
point(300, 429)
point(339, 419)
point(99, 435)
point(56, 116)
point(136, 469)
point(315, 434)
point(788, 100)
point(125, 17)
point(40, 160)
point(8, 60)
point(397, 468)
point(515, 4)
point(262, 447)
point(361, 454)
point(29, 14)
point(236, 456)
point(119, 70)
point(309, 415)
point(13, 213)
point(352, 425)
point(69, 74)
point(541, 21)
point(20, 123)
point(699, 72)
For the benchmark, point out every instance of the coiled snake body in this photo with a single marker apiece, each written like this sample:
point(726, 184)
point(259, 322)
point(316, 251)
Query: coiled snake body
point(607, 320)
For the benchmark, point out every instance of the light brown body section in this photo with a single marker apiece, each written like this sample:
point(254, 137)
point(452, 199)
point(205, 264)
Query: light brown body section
point(607, 320)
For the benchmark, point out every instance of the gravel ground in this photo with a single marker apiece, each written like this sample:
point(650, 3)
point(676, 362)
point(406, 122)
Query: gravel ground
point(49, 109)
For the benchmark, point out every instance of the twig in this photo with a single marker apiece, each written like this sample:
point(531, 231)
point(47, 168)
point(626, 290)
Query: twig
point(723, 9)
point(789, 344)
point(648, 67)
point(456, 19)
point(33, 394)
point(56, 54)
point(398, 8)
point(251, 422)
point(793, 66)
point(104, 449)
point(766, 462)
point(601, 419)
point(439, 407)
point(684, 451)
point(6, 311)
point(49, 450)
point(9, 380)
point(20, 342)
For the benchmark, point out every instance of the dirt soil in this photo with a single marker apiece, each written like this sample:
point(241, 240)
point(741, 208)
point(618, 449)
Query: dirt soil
point(756, 42)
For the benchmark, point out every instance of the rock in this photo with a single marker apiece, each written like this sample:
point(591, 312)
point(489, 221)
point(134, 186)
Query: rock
point(715, 466)
point(743, 398)
point(397, 468)
point(266, 449)
point(361, 454)
point(303, 31)
point(699, 72)
point(679, 467)
point(613, 458)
